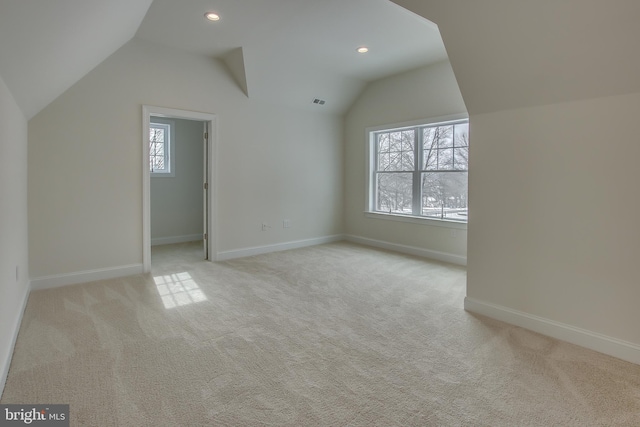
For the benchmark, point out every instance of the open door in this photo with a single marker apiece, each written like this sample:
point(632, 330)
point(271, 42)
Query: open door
point(208, 187)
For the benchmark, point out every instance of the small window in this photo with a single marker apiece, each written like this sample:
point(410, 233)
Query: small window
point(160, 149)
point(420, 171)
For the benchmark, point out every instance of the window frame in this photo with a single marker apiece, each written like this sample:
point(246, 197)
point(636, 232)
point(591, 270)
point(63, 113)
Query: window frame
point(372, 164)
point(169, 151)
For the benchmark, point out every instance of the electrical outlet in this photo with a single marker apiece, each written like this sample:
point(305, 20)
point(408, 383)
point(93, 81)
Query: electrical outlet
point(265, 226)
point(286, 223)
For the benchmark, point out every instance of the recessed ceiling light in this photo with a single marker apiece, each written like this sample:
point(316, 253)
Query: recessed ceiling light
point(362, 49)
point(212, 16)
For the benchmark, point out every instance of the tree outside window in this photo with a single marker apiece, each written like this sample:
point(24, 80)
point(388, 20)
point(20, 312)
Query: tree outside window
point(159, 148)
point(422, 171)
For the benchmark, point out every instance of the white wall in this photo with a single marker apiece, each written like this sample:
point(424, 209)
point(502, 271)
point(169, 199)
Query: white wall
point(553, 232)
point(554, 209)
point(176, 201)
point(428, 92)
point(512, 54)
point(13, 224)
point(85, 162)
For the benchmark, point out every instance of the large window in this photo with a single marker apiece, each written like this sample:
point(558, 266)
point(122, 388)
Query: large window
point(420, 171)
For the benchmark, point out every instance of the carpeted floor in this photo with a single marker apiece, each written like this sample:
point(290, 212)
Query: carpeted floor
point(332, 335)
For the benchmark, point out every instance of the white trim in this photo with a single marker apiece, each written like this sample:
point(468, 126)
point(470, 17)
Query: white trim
point(211, 119)
point(16, 329)
point(59, 280)
point(419, 122)
point(592, 340)
point(370, 142)
point(257, 250)
point(411, 250)
point(370, 167)
point(156, 241)
point(212, 217)
point(146, 191)
point(422, 220)
point(171, 126)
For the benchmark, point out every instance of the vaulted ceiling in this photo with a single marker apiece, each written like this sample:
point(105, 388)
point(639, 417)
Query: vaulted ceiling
point(291, 51)
point(505, 53)
point(510, 54)
point(46, 46)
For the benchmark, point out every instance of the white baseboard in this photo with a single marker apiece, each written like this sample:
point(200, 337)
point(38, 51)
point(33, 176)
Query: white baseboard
point(175, 239)
point(4, 372)
point(411, 250)
point(241, 253)
point(85, 276)
point(592, 340)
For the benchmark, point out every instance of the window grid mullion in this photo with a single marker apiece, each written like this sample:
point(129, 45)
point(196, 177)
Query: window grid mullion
point(420, 167)
point(155, 146)
point(417, 165)
point(376, 170)
point(453, 144)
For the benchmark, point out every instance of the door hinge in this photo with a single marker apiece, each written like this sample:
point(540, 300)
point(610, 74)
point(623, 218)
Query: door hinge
point(206, 135)
point(205, 236)
point(206, 185)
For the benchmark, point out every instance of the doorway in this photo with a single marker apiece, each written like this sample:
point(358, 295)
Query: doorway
point(164, 166)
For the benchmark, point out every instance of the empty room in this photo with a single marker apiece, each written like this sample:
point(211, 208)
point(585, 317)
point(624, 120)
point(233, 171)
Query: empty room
point(319, 213)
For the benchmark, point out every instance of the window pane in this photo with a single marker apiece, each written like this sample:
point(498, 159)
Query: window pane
point(159, 147)
point(434, 139)
point(396, 151)
point(394, 192)
point(156, 135)
point(461, 155)
point(430, 157)
point(407, 160)
point(395, 142)
point(383, 152)
point(444, 195)
point(461, 135)
point(383, 142)
point(429, 139)
point(444, 136)
point(157, 163)
point(383, 161)
point(445, 159)
point(407, 140)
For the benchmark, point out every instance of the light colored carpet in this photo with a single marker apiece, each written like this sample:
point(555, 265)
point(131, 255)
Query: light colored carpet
point(332, 335)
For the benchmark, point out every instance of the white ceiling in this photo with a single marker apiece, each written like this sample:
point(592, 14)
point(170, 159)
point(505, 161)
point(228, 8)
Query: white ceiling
point(46, 46)
point(510, 54)
point(293, 50)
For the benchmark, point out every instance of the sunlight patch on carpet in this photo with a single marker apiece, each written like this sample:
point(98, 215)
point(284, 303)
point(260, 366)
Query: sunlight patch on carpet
point(178, 289)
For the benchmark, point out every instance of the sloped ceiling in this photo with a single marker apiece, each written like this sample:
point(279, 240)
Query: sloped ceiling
point(505, 53)
point(296, 50)
point(286, 51)
point(509, 54)
point(46, 46)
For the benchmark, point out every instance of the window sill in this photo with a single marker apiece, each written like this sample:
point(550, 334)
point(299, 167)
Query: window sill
point(417, 220)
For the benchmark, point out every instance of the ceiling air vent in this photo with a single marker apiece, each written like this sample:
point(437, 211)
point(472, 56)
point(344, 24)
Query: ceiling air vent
point(319, 101)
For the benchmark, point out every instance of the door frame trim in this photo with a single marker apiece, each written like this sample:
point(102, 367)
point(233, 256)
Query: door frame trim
point(147, 112)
